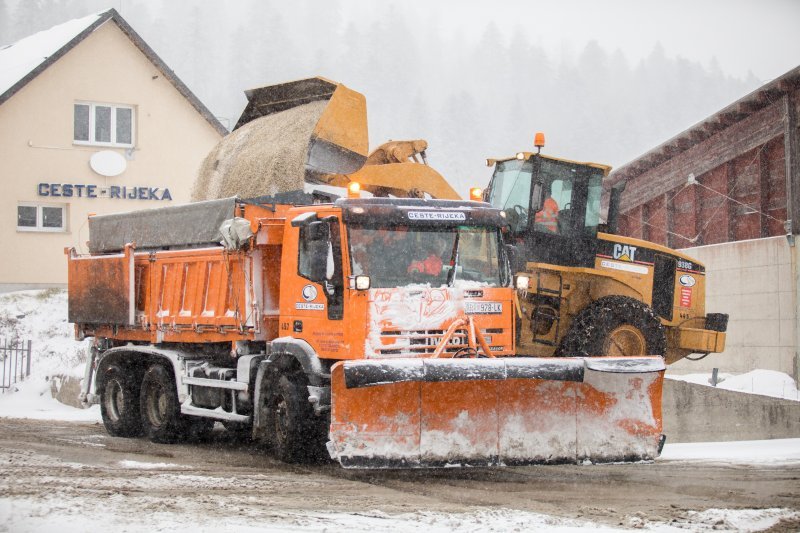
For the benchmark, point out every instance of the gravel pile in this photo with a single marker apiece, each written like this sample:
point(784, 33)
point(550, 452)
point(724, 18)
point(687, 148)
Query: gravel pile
point(264, 157)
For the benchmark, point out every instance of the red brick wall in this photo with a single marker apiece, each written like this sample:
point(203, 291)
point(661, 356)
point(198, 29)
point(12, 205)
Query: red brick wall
point(695, 215)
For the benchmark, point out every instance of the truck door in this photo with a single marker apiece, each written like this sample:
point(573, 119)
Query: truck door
point(313, 304)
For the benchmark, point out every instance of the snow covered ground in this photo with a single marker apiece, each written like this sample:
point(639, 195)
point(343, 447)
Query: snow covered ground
point(41, 316)
point(761, 382)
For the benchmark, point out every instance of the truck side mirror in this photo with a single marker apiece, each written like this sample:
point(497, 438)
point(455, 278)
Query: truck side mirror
point(537, 198)
point(515, 261)
point(316, 251)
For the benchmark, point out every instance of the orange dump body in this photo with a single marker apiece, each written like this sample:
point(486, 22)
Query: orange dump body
point(194, 295)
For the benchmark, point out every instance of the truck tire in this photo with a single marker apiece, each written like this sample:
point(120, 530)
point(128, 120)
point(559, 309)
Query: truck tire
point(161, 412)
point(119, 403)
point(294, 433)
point(617, 326)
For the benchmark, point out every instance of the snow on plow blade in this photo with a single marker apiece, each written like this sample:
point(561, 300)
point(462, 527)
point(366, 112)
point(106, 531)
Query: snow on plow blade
point(495, 412)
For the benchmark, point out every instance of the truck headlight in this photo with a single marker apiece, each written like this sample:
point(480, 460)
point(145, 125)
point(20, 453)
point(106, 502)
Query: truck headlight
point(523, 282)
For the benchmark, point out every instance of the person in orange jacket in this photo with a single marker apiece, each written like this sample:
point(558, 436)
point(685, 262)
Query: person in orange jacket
point(432, 264)
point(547, 217)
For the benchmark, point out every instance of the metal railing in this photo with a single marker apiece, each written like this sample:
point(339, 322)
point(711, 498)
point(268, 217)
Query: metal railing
point(16, 358)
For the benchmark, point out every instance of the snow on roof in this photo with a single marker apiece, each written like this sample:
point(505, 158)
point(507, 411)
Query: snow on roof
point(21, 58)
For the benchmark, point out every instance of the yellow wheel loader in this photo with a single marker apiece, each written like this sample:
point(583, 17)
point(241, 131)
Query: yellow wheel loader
point(583, 290)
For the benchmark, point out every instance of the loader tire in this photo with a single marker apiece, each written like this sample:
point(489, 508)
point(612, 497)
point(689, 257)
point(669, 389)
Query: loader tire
point(617, 326)
point(294, 433)
point(161, 412)
point(119, 403)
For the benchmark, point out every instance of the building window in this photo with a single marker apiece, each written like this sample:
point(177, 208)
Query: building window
point(105, 124)
point(41, 217)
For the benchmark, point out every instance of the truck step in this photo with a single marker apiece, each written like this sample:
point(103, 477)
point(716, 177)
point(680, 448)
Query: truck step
point(217, 414)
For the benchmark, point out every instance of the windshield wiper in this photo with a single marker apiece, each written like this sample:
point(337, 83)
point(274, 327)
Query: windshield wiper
point(451, 276)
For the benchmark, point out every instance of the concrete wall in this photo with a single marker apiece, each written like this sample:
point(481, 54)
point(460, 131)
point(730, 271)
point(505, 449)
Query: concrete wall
point(36, 136)
point(696, 413)
point(754, 282)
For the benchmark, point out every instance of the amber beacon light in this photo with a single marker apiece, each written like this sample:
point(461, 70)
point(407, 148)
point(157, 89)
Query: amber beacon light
point(354, 190)
point(538, 141)
point(475, 193)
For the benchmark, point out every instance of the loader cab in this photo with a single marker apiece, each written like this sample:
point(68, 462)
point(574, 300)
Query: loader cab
point(552, 207)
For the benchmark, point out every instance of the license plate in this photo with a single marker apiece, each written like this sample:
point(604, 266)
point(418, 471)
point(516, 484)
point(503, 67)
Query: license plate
point(483, 308)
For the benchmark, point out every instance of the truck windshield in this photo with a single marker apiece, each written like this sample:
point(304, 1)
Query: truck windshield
point(400, 255)
point(570, 193)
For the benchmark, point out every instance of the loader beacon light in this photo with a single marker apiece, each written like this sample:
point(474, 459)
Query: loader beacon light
point(475, 193)
point(538, 141)
point(354, 190)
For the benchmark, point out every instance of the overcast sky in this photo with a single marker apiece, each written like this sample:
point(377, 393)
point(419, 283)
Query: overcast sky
point(762, 36)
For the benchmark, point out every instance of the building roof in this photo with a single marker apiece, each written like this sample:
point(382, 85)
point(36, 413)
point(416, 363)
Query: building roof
point(755, 101)
point(22, 61)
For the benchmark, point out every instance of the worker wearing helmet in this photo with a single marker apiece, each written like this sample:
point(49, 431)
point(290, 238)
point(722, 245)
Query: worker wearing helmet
point(547, 216)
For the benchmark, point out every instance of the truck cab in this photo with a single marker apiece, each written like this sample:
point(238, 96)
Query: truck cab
point(404, 268)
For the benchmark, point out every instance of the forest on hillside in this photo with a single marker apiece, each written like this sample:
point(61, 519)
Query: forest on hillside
point(471, 95)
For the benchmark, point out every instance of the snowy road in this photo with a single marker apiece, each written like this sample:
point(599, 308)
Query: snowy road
point(71, 476)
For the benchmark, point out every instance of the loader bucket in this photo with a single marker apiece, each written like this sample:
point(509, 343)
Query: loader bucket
point(495, 412)
point(288, 134)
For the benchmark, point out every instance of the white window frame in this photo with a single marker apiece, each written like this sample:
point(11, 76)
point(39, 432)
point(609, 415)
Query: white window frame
point(40, 217)
point(92, 109)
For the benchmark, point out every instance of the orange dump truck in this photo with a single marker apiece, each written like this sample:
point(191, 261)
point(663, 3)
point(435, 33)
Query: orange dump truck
point(379, 330)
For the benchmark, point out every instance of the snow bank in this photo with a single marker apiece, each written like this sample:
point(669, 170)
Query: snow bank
point(776, 451)
point(41, 316)
point(761, 382)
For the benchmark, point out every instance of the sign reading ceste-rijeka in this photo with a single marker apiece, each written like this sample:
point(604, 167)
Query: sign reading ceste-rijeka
point(120, 192)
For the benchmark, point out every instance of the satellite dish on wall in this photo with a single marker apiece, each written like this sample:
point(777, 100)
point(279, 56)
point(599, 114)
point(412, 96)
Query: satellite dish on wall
point(108, 163)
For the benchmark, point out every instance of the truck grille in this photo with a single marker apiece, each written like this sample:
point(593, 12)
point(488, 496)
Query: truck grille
point(423, 342)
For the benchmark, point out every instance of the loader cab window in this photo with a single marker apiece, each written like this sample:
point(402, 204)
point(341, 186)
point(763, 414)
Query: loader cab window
point(511, 191)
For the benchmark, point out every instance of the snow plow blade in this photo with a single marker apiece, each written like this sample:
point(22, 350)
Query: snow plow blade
point(416, 413)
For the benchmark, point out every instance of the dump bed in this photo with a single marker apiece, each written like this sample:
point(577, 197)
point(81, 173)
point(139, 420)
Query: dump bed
point(163, 276)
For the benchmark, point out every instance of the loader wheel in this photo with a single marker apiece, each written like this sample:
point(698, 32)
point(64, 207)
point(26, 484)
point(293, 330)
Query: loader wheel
point(161, 412)
point(119, 403)
point(295, 434)
point(617, 326)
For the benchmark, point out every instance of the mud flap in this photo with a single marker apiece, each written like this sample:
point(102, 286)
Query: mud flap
point(495, 412)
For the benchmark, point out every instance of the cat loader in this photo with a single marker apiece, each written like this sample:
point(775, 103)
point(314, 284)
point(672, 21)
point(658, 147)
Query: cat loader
point(583, 290)
point(379, 332)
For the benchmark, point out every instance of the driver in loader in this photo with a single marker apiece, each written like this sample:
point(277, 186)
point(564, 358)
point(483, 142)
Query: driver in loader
point(547, 217)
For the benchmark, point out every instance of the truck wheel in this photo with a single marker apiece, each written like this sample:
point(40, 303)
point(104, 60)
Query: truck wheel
point(119, 403)
point(161, 414)
point(294, 433)
point(616, 326)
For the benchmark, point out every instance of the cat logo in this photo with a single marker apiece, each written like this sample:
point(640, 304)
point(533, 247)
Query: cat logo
point(623, 252)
